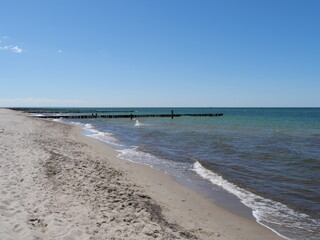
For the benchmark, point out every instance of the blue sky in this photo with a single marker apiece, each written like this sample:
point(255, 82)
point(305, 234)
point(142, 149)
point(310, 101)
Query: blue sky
point(160, 53)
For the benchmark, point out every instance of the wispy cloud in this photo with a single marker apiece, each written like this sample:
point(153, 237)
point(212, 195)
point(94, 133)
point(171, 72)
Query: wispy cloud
point(17, 49)
point(14, 49)
point(59, 51)
point(39, 102)
point(4, 46)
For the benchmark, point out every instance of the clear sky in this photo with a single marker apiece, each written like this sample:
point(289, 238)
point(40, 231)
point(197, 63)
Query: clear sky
point(217, 53)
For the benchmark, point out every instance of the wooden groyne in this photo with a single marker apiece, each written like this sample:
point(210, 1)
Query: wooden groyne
point(84, 112)
point(131, 116)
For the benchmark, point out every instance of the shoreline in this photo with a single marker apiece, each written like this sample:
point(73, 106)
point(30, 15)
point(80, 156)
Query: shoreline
point(71, 171)
point(204, 187)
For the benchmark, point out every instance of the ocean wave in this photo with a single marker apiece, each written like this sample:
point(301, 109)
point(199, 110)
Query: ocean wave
point(271, 214)
point(78, 124)
point(90, 131)
point(133, 154)
point(57, 120)
point(89, 126)
point(138, 124)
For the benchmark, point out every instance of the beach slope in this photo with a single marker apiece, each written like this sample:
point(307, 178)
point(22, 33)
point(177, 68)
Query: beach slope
point(59, 184)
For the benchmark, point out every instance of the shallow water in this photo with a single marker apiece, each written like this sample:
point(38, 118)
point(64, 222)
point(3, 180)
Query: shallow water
point(269, 158)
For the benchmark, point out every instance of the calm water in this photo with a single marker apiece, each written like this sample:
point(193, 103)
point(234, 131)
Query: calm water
point(269, 158)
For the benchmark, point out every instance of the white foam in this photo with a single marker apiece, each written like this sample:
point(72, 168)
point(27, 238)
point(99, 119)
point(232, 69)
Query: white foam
point(90, 131)
point(138, 124)
point(271, 214)
point(133, 155)
point(173, 168)
point(78, 124)
point(88, 125)
point(57, 120)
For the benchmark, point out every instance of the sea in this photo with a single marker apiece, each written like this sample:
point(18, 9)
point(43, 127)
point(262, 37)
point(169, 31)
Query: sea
point(261, 163)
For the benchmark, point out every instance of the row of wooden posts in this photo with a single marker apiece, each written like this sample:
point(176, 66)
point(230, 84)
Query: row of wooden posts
point(131, 116)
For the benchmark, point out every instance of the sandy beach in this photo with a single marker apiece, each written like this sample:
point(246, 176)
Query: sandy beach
point(58, 184)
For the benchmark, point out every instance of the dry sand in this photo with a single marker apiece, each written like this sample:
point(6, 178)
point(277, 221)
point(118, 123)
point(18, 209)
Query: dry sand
point(58, 184)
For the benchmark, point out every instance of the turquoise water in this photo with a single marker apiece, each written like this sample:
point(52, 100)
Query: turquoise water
point(269, 158)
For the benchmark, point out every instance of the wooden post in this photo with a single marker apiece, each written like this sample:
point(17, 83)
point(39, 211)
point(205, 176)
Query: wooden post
point(171, 114)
